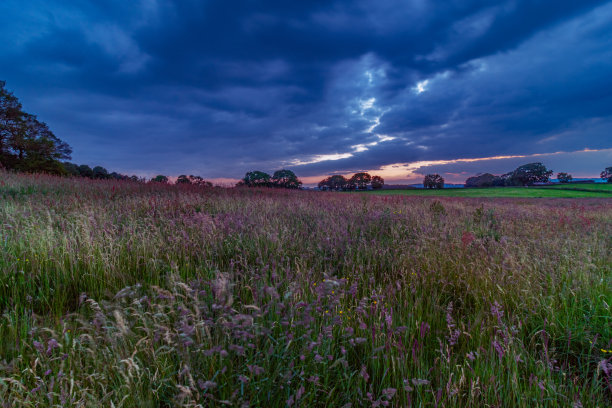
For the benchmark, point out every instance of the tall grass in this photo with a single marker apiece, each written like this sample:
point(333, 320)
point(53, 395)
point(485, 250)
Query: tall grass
point(124, 294)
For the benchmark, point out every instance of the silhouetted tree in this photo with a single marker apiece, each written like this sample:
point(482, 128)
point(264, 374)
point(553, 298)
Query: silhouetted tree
point(360, 180)
point(607, 174)
point(160, 178)
point(183, 179)
point(564, 177)
point(377, 182)
point(85, 171)
point(256, 179)
point(116, 176)
point(100, 172)
point(481, 180)
point(433, 181)
point(26, 143)
point(199, 181)
point(528, 174)
point(71, 169)
point(10, 120)
point(285, 179)
point(499, 181)
point(336, 182)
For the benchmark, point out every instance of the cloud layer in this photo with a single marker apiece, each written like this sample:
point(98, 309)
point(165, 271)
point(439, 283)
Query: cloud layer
point(218, 88)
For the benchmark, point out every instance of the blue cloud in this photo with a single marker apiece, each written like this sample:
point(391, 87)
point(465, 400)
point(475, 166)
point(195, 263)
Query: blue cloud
point(219, 88)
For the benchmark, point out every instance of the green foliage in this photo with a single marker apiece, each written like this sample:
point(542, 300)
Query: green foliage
point(160, 178)
point(100, 172)
point(27, 144)
point(433, 181)
point(86, 171)
point(285, 179)
point(528, 174)
point(256, 179)
point(71, 169)
point(377, 182)
point(183, 179)
point(482, 180)
point(607, 174)
point(360, 180)
point(336, 182)
point(564, 177)
point(199, 181)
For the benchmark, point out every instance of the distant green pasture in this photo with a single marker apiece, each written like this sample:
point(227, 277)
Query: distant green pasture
point(561, 191)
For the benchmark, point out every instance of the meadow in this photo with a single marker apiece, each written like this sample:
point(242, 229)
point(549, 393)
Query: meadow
point(122, 294)
point(601, 190)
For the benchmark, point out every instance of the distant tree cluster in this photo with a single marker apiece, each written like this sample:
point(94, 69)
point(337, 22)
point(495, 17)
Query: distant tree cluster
point(27, 144)
point(433, 181)
point(484, 180)
point(564, 177)
point(280, 179)
point(607, 174)
point(190, 180)
point(98, 173)
point(359, 181)
point(525, 175)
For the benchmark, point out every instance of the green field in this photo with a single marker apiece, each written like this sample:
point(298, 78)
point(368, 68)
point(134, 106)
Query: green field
point(561, 191)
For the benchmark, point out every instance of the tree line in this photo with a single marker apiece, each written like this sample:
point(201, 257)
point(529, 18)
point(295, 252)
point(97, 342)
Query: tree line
point(97, 173)
point(280, 179)
point(526, 175)
point(358, 181)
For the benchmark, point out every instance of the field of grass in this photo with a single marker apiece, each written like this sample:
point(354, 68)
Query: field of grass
point(601, 190)
point(138, 295)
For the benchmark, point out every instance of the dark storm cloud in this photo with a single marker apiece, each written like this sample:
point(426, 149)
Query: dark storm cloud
point(220, 87)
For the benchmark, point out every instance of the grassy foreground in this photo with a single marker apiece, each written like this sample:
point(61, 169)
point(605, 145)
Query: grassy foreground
point(131, 295)
point(598, 190)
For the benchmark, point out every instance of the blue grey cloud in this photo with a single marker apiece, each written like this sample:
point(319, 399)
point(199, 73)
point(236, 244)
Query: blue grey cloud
point(219, 88)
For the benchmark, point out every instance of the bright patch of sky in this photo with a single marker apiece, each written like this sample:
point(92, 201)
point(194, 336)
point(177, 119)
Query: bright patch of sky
point(421, 86)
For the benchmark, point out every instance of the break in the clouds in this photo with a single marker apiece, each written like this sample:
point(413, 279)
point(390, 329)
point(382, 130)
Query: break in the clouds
point(218, 88)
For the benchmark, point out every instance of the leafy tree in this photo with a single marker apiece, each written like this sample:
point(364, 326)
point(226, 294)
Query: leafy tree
point(377, 182)
point(531, 173)
point(499, 181)
point(256, 179)
point(360, 180)
point(199, 181)
point(85, 171)
point(160, 178)
point(100, 172)
point(481, 180)
point(324, 184)
point(71, 169)
point(607, 174)
point(336, 182)
point(116, 176)
point(285, 179)
point(564, 177)
point(183, 179)
point(26, 143)
point(10, 118)
point(433, 181)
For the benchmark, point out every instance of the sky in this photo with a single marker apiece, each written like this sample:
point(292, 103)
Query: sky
point(398, 88)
